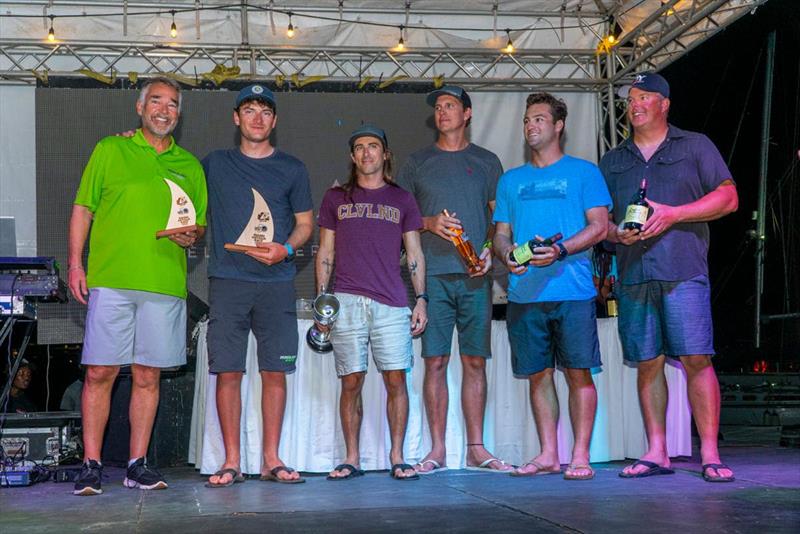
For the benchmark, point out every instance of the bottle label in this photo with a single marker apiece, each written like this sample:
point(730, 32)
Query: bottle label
point(522, 254)
point(636, 214)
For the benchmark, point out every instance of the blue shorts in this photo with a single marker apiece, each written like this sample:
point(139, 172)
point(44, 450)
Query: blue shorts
point(363, 323)
point(456, 300)
point(672, 318)
point(266, 308)
point(543, 333)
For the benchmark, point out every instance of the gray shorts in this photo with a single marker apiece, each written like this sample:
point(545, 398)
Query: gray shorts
point(542, 334)
point(125, 326)
point(456, 300)
point(266, 308)
point(364, 322)
point(672, 318)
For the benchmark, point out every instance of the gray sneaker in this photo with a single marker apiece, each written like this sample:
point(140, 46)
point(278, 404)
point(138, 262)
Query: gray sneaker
point(88, 480)
point(142, 477)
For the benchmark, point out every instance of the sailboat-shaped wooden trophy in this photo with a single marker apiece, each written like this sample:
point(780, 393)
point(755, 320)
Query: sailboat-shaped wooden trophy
point(182, 215)
point(260, 228)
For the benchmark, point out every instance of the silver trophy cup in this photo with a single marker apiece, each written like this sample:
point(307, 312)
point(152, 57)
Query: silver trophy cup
point(326, 309)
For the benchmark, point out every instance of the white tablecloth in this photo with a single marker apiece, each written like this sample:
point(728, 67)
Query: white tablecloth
point(312, 436)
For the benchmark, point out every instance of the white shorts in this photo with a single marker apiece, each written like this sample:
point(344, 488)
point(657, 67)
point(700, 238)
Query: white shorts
point(125, 326)
point(364, 322)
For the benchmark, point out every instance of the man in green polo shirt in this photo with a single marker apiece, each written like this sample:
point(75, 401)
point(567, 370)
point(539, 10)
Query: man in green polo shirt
point(135, 283)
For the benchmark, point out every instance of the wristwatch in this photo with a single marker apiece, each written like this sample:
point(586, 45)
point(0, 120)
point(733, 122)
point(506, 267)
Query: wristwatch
point(423, 296)
point(562, 251)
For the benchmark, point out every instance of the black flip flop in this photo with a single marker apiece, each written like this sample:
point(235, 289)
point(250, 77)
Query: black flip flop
point(236, 478)
point(716, 467)
point(402, 467)
point(272, 476)
point(354, 472)
point(653, 469)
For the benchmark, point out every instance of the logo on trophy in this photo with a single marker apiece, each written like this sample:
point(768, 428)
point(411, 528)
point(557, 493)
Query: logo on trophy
point(182, 215)
point(326, 309)
point(259, 229)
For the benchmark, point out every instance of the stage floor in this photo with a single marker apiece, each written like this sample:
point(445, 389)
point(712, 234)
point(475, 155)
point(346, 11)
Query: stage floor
point(765, 498)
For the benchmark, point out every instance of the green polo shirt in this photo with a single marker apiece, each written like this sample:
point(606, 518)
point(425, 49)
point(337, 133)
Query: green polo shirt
point(123, 186)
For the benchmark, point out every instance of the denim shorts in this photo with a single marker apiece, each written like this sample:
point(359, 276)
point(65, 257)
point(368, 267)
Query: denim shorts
point(672, 318)
point(456, 300)
point(266, 308)
point(542, 334)
point(363, 323)
point(125, 326)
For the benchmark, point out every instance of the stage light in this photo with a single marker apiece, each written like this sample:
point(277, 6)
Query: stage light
point(51, 34)
point(290, 28)
point(173, 30)
point(401, 45)
point(509, 49)
point(612, 39)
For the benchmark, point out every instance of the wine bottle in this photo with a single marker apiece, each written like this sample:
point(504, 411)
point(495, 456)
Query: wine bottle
point(465, 248)
point(611, 301)
point(523, 254)
point(638, 209)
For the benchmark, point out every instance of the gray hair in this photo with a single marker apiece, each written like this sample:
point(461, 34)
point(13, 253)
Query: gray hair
point(162, 80)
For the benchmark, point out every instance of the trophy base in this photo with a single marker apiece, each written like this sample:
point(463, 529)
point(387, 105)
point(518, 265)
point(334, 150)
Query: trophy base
point(233, 247)
point(318, 342)
point(173, 231)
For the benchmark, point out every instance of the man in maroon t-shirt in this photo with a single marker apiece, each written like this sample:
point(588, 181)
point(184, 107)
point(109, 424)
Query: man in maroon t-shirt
point(363, 225)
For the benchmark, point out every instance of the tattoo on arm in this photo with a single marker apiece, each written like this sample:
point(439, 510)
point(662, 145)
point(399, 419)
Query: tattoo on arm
point(327, 265)
point(413, 267)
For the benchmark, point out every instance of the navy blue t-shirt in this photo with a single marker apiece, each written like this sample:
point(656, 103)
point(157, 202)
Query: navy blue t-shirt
point(281, 179)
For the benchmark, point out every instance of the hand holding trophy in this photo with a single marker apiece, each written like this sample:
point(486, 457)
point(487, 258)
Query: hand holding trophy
point(259, 229)
point(182, 217)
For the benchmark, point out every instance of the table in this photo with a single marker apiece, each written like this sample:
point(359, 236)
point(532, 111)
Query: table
point(312, 438)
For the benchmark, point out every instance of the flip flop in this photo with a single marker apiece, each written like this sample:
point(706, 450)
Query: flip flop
point(272, 476)
point(484, 466)
point(716, 468)
point(653, 469)
point(354, 472)
point(236, 478)
point(402, 467)
point(540, 470)
point(575, 467)
point(437, 467)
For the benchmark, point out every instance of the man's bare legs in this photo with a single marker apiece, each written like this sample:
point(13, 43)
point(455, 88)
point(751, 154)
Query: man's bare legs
point(582, 409)
point(95, 407)
point(229, 411)
point(143, 407)
point(545, 413)
point(473, 403)
point(273, 404)
point(397, 413)
point(351, 412)
point(437, 396)
point(653, 396)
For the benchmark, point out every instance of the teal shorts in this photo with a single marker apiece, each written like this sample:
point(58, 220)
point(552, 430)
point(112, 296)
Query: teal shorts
point(458, 301)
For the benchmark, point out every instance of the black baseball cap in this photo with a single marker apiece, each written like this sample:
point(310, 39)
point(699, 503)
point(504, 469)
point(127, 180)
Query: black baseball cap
point(647, 81)
point(452, 90)
point(369, 130)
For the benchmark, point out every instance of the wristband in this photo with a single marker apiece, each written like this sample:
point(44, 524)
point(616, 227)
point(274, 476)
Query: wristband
point(423, 296)
point(487, 244)
point(289, 249)
point(562, 251)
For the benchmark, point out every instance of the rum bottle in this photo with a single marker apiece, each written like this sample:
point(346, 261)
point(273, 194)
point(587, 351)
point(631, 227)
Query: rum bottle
point(465, 248)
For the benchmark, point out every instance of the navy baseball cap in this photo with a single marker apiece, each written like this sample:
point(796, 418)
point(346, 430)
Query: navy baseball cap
point(647, 81)
point(255, 91)
point(452, 90)
point(368, 130)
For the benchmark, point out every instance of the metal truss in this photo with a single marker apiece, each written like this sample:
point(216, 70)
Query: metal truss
point(673, 29)
point(563, 70)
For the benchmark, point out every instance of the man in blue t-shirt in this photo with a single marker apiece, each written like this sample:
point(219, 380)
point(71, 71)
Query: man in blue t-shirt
point(254, 289)
point(664, 294)
point(551, 311)
point(362, 226)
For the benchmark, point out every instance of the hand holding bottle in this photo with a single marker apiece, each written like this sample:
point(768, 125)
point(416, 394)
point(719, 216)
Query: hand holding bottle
point(465, 248)
point(444, 224)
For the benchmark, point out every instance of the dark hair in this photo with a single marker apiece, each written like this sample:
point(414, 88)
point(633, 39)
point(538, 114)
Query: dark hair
point(558, 108)
point(260, 100)
point(352, 178)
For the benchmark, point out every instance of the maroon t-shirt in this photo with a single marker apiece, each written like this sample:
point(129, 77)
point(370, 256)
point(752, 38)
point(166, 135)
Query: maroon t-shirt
point(369, 226)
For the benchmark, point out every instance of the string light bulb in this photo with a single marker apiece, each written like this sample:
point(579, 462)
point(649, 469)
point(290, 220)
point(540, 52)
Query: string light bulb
point(509, 49)
point(401, 44)
point(173, 30)
point(290, 28)
point(51, 34)
point(612, 39)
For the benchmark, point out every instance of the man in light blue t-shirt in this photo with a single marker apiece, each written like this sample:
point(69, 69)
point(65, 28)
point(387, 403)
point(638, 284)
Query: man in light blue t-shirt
point(551, 311)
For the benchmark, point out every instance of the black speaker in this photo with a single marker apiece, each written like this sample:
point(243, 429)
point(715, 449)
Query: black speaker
point(169, 443)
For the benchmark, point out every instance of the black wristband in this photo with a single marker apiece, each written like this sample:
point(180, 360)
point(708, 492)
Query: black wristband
point(562, 251)
point(423, 296)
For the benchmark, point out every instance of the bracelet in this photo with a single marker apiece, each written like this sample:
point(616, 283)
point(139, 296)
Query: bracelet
point(487, 244)
point(290, 249)
point(423, 296)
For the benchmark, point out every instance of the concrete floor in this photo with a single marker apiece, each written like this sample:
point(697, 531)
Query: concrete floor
point(765, 499)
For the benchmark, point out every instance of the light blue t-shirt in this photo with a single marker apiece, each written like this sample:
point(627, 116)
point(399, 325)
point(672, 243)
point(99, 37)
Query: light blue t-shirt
point(544, 202)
